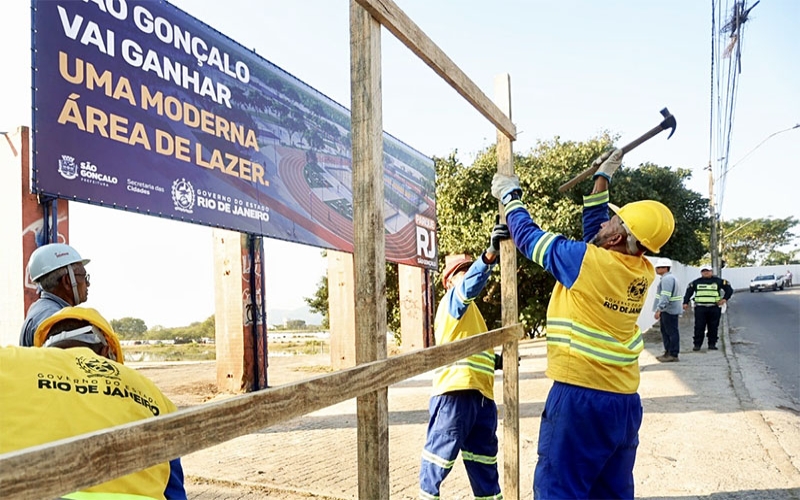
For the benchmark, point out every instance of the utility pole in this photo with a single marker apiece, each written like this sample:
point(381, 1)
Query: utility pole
point(713, 240)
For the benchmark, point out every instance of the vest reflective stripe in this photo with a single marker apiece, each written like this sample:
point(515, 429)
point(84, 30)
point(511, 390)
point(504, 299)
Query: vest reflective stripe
point(481, 459)
point(499, 496)
point(706, 293)
point(437, 460)
point(537, 254)
point(483, 362)
point(594, 344)
point(592, 200)
point(667, 293)
point(424, 495)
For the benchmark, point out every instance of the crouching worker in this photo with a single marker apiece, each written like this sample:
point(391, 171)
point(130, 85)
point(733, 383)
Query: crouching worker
point(51, 394)
point(463, 414)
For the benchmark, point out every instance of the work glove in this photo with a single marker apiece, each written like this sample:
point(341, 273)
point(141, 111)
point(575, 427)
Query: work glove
point(608, 163)
point(506, 187)
point(500, 232)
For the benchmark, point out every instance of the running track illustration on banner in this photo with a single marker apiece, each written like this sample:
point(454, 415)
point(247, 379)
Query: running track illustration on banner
point(139, 106)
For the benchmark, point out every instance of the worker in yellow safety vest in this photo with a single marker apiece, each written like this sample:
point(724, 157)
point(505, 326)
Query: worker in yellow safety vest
point(50, 394)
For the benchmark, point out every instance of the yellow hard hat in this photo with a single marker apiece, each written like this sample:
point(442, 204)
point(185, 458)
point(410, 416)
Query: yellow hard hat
point(649, 221)
point(86, 314)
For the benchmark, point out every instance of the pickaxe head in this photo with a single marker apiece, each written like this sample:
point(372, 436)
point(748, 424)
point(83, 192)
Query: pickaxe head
point(668, 122)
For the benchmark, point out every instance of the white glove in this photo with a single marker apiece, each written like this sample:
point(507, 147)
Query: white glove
point(609, 163)
point(504, 186)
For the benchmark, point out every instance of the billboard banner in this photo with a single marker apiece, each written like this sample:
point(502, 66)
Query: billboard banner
point(139, 106)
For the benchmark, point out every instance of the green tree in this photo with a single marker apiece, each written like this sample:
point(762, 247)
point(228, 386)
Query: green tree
point(129, 328)
point(750, 242)
point(466, 211)
point(295, 324)
point(319, 302)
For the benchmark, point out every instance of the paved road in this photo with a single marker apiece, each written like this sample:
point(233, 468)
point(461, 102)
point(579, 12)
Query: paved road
point(767, 325)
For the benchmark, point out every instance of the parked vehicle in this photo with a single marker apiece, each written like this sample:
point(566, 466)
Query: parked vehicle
point(766, 282)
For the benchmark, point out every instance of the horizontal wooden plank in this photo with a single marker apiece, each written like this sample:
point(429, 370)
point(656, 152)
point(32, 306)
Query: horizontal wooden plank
point(402, 27)
point(103, 455)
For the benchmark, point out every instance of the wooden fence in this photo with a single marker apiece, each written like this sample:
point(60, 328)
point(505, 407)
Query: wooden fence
point(103, 455)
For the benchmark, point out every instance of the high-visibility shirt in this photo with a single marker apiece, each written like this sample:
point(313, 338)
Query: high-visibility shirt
point(593, 340)
point(669, 298)
point(457, 317)
point(50, 394)
point(708, 291)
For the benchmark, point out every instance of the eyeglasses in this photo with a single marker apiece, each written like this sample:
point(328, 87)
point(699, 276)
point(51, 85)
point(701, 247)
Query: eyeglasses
point(85, 277)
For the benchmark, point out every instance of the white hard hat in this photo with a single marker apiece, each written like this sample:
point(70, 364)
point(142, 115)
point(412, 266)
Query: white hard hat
point(662, 262)
point(48, 258)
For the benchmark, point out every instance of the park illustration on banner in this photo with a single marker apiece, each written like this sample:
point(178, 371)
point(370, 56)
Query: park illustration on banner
point(139, 106)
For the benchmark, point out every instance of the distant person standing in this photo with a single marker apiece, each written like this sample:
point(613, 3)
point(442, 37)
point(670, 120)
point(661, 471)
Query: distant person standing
point(59, 271)
point(787, 280)
point(710, 294)
point(668, 309)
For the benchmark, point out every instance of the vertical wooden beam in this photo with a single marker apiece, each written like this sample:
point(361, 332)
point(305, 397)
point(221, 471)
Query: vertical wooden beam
point(341, 309)
point(369, 247)
point(413, 307)
point(509, 313)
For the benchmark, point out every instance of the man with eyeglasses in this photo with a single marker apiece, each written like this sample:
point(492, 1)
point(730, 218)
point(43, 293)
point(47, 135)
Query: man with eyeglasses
point(59, 272)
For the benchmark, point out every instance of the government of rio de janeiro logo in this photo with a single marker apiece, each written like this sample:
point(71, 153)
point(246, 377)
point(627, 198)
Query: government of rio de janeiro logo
point(183, 195)
point(67, 167)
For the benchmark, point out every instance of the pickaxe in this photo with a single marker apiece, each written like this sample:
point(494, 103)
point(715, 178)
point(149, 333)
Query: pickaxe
point(668, 123)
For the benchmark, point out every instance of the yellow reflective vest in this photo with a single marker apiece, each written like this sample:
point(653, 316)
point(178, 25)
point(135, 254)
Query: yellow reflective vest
point(50, 394)
point(457, 317)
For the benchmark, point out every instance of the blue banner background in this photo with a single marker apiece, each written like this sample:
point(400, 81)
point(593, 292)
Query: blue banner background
point(100, 138)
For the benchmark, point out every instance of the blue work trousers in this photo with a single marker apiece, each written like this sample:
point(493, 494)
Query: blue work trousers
point(587, 444)
point(669, 333)
point(706, 317)
point(463, 421)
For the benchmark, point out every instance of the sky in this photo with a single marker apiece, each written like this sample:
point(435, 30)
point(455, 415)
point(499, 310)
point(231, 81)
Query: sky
point(578, 68)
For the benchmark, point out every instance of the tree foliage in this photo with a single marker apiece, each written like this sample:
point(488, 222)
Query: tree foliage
point(129, 328)
point(319, 302)
point(193, 332)
point(466, 211)
point(751, 242)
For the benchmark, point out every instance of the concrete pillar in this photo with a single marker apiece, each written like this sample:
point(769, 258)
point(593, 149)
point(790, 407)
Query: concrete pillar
point(341, 309)
point(240, 335)
point(22, 219)
point(414, 319)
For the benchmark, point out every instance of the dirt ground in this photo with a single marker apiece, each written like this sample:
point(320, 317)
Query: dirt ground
point(194, 382)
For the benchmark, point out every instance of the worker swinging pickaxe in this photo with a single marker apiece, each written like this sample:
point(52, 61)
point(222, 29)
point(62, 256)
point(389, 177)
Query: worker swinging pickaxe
point(668, 123)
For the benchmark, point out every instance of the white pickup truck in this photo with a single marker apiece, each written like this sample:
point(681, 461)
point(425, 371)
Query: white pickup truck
point(766, 282)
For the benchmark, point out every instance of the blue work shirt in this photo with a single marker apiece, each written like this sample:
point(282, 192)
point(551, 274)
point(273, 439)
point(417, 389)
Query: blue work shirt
point(47, 305)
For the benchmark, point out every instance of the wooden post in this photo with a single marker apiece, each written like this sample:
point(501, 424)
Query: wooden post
point(509, 313)
point(341, 309)
point(369, 247)
point(413, 307)
point(239, 367)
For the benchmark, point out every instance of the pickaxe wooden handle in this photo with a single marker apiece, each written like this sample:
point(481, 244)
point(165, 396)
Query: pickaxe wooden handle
point(667, 123)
